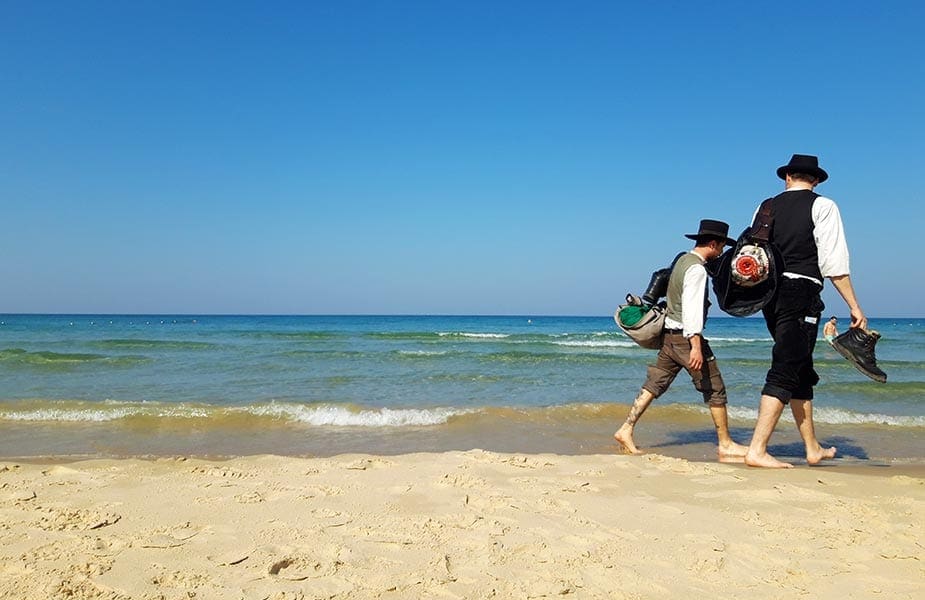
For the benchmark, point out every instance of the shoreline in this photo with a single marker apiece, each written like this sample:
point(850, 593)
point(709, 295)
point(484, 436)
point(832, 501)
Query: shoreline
point(914, 468)
point(455, 525)
point(665, 430)
point(879, 469)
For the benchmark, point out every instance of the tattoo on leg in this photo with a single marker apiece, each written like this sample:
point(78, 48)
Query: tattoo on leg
point(634, 412)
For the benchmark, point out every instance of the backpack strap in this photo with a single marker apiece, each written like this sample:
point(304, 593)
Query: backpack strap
point(764, 220)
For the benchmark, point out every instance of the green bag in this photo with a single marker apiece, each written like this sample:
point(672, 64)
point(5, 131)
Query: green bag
point(632, 314)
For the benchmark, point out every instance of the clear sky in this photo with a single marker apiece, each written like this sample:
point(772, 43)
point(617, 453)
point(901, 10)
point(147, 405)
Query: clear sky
point(438, 157)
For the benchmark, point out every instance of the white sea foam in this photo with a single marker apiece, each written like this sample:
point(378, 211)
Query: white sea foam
point(74, 415)
point(97, 414)
point(488, 336)
point(322, 415)
point(422, 352)
point(738, 339)
point(835, 416)
point(597, 343)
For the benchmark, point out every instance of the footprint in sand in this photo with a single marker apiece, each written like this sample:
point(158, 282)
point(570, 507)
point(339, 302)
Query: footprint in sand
point(56, 518)
point(525, 462)
point(250, 498)
point(462, 480)
point(179, 579)
point(519, 461)
point(170, 537)
point(216, 471)
point(368, 463)
point(299, 567)
point(584, 486)
point(296, 564)
point(45, 553)
point(104, 546)
point(321, 491)
point(230, 558)
point(590, 473)
point(78, 586)
point(16, 497)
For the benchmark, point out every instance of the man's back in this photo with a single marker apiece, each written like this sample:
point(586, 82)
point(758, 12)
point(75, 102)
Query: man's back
point(676, 306)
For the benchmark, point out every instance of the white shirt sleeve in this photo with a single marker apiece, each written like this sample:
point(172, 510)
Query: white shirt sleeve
point(829, 233)
point(692, 295)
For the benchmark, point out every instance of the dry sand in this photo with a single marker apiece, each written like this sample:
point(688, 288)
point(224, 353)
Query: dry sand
point(456, 525)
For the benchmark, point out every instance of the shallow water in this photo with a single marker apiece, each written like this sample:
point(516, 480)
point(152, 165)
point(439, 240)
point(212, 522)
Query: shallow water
point(229, 385)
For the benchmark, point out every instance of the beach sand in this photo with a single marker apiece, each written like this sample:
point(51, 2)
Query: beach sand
point(470, 524)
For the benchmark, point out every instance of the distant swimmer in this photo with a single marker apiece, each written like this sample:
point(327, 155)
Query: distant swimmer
point(829, 331)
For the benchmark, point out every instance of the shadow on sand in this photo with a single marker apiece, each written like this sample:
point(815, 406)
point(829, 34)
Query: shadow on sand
point(847, 447)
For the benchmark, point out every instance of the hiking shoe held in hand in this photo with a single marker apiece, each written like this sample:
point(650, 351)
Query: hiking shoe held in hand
point(857, 345)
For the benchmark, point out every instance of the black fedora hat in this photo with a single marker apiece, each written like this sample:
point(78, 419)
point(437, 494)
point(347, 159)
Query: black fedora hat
point(709, 227)
point(803, 163)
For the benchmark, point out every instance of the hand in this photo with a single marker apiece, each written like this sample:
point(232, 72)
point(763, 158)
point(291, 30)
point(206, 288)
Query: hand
point(696, 359)
point(858, 319)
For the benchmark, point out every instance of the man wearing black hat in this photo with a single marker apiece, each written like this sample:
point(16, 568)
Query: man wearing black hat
point(809, 233)
point(683, 344)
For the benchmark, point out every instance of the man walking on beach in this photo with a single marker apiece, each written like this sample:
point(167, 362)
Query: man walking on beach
point(683, 344)
point(809, 233)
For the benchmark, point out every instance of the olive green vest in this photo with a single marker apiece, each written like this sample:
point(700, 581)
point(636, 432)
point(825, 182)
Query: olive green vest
point(676, 284)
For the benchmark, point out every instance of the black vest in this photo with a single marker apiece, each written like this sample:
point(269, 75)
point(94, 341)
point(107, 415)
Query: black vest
point(793, 232)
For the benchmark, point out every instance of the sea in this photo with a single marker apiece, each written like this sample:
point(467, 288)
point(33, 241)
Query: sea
point(77, 386)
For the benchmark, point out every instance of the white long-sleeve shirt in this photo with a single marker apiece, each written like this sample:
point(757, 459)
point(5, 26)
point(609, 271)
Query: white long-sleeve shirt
point(829, 233)
point(692, 295)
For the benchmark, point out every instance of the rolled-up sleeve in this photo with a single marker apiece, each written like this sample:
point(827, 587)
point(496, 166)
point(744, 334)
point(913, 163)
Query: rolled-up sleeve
point(829, 233)
point(692, 296)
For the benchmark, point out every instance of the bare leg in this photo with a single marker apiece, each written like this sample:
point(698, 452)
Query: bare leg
point(624, 435)
point(769, 413)
point(803, 414)
point(729, 450)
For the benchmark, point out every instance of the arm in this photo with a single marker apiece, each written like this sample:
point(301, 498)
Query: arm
point(833, 255)
point(842, 283)
point(696, 353)
point(829, 234)
point(693, 294)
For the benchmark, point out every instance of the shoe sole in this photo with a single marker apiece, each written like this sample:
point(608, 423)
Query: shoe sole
point(844, 352)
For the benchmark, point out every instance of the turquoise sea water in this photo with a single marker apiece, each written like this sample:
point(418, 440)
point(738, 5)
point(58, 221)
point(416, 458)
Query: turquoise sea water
point(117, 384)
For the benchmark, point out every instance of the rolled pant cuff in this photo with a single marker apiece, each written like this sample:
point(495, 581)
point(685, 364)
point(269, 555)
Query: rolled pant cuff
point(778, 392)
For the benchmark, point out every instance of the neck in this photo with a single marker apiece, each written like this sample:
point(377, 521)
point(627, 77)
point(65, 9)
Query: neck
point(799, 185)
point(702, 252)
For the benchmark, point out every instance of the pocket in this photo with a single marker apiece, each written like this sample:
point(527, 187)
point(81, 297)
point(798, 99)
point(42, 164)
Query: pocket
point(812, 320)
point(799, 297)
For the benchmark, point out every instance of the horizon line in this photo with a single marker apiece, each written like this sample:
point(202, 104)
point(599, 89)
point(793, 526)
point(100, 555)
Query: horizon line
point(220, 314)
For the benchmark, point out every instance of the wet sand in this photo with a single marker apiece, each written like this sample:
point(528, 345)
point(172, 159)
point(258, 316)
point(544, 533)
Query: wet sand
point(680, 434)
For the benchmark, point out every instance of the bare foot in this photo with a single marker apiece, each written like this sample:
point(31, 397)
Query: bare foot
point(732, 452)
point(765, 460)
point(624, 437)
point(816, 456)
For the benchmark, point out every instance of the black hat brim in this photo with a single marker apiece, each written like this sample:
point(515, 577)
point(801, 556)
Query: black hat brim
point(816, 172)
point(694, 236)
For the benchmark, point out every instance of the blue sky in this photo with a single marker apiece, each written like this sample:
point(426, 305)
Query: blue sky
point(438, 157)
